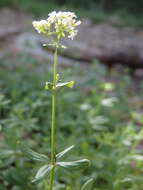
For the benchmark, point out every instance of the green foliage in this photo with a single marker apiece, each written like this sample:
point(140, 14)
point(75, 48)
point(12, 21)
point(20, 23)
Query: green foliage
point(102, 116)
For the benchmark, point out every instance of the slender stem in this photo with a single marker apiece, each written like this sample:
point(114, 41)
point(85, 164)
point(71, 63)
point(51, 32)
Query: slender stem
point(53, 124)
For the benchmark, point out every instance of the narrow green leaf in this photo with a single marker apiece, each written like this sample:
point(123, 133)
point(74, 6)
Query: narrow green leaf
point(44, 170)
point(67, 84)
point(32, 154)
point(79, 164)
point(88, 185)
point(49, 86)
point(61, 154)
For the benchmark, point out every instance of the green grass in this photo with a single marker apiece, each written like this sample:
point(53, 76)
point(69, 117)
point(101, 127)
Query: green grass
point(101, 116)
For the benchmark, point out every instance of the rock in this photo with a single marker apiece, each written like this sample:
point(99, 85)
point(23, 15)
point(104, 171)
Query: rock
point(138, 73)
point(107, 43)
point(110, 44)
point(13, 22)
point(32, 44)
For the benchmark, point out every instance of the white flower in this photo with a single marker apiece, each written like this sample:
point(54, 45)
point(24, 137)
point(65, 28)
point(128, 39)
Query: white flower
point(60, 24)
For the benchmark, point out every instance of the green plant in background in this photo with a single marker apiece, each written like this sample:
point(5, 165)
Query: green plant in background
point(104, 119)
point(57, 26)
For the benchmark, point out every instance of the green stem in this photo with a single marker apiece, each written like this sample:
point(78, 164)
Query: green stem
point(53, 125)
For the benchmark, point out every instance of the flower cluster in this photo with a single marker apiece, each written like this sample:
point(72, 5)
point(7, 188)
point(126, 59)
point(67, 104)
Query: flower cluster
point(58, 24)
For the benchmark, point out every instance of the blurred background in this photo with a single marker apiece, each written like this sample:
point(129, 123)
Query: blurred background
point(102, 115)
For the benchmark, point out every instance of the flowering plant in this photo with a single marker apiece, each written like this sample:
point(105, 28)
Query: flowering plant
point(58, 25)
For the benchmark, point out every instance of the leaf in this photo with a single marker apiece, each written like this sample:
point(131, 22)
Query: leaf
point(49, 86)
point(88, 185)
point(79, 164)
point(32, 154)
point(61, 154)
point(67, 84)
point(44, 170)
